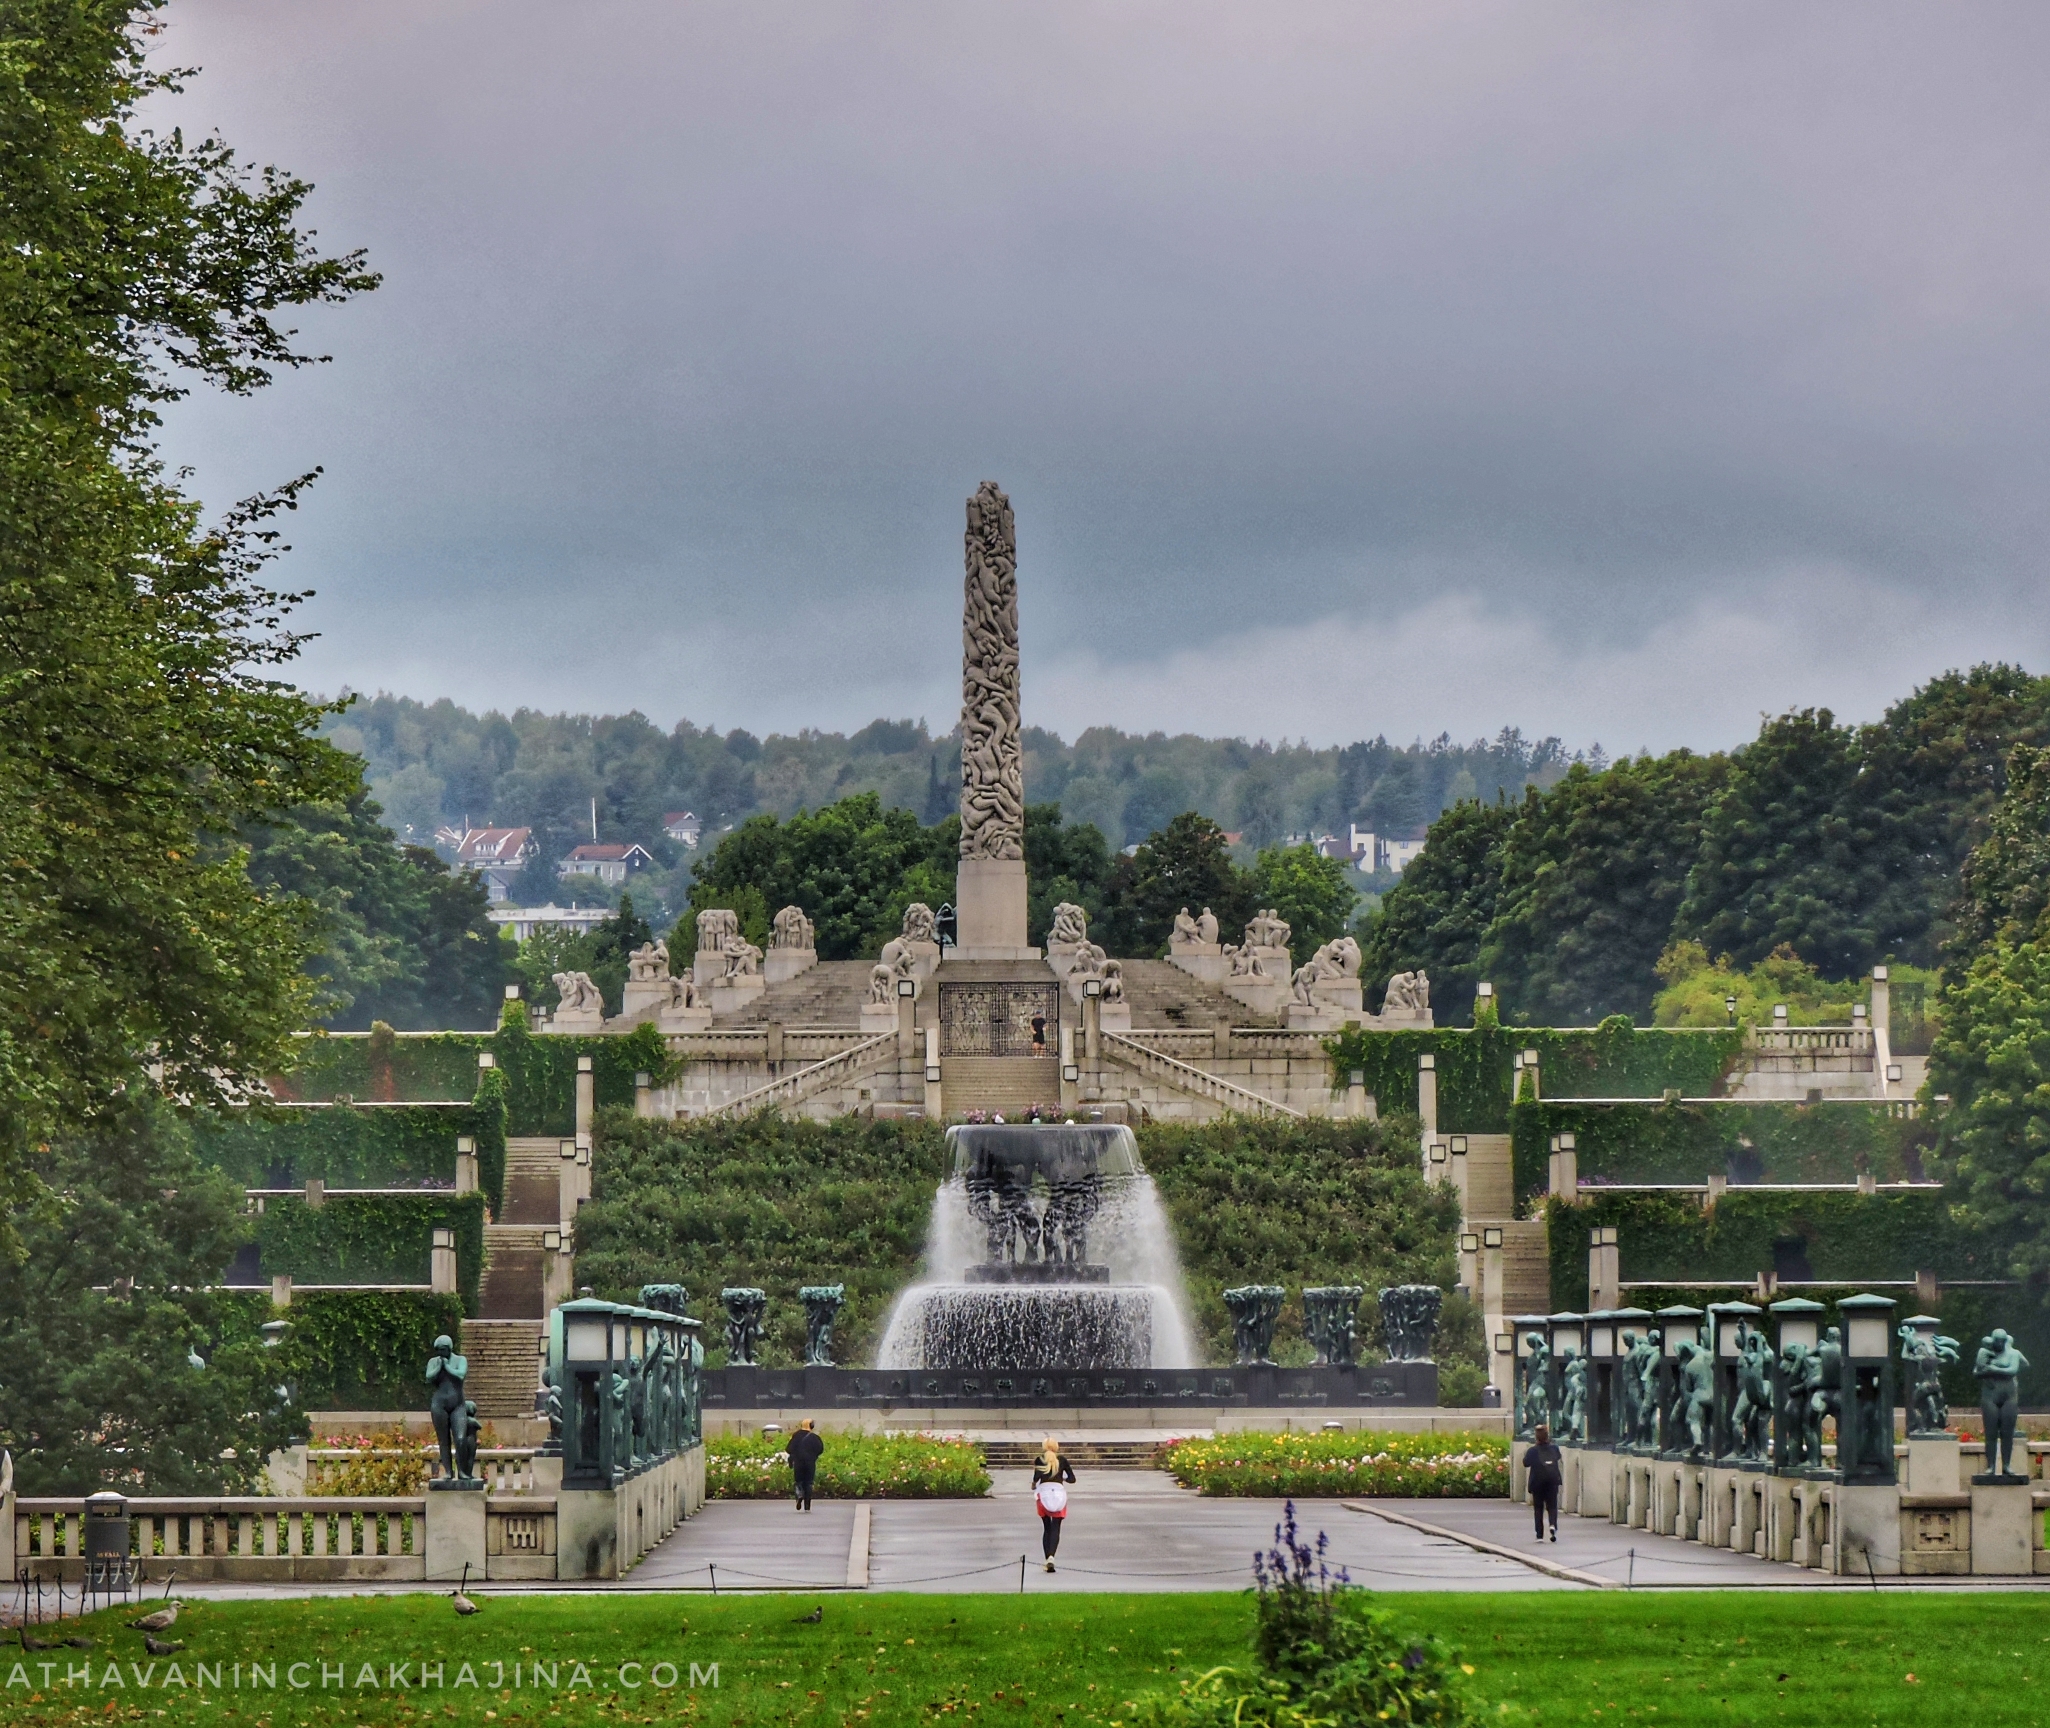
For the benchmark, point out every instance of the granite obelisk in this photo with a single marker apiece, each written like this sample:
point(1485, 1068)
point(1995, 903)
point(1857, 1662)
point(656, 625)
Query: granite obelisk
point(989, 899)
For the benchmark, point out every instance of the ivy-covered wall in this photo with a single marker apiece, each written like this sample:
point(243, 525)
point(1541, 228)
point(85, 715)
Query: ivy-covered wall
point(367, 1349)
point(1474, 1066)
point(391, 1146)
point(381, 1067)
point(1745, 1142)
point(373, 1239)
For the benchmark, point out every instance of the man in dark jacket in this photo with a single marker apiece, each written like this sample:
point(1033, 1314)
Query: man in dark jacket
point(1544, 1476)
point(804, 1449)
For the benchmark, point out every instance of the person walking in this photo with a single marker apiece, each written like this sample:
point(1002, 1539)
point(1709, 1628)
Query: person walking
point(1544, 1476)
point(804, 1448)
point(1050, 1476)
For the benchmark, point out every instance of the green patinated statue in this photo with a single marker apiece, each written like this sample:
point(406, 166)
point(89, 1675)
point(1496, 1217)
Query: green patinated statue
point(446, 1372)
point(1537, 1386)
point(1796, 1369)
point(1573, 1401)
point(1644, 1370)
point(1624, 1396)
point(1924, 1357)
point(1752, 1413)
point(1826, 1390)
point(1695, 1398)
point(1997, 1365)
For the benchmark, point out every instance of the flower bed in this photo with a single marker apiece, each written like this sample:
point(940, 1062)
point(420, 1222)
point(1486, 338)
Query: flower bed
point(854, 1467)
point(1330, 1466)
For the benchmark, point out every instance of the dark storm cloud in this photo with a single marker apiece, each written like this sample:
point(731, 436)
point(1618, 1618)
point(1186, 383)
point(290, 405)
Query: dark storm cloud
point(1614, 370)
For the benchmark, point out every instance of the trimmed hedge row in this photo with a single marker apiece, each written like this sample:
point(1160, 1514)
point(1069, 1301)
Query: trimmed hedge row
point(1475, 1066)
point(541, 1071)
point(373, 1239)
point(350, 1350)
point(852, 1467)
point(380, 1067)
point(1329, 1466)
point(392, 1146)
point(1691, 1142)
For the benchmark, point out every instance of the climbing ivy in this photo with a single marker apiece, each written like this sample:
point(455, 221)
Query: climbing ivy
point(391, 1146)
point(373, 1239)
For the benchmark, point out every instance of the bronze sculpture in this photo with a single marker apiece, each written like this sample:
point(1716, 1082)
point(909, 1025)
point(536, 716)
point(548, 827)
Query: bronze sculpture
point(446, 1372)
point(1998, 1365)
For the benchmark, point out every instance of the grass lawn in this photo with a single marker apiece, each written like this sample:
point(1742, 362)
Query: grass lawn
point(887, 1661)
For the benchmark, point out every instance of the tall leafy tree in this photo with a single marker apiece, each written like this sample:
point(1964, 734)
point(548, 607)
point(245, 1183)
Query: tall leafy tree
point(2004, 887)
point(1435, 918)
point(1186, 864)
point(1591, 875)
point(1312, 893)
point(1063, 862)
point(139, 720)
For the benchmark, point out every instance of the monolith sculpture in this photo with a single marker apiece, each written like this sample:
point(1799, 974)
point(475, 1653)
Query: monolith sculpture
point(989, 897)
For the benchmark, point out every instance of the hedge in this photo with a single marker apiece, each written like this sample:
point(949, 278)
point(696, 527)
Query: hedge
point(373, 1239)
point(391, 1146)
point(366, 1349)
point(541, 1071)
point(379, 1066)
point(1474, 1066)
point(1328, 1466)
point(1633, 1143)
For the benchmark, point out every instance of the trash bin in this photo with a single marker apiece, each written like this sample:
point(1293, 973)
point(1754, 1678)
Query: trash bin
point(107, 1565)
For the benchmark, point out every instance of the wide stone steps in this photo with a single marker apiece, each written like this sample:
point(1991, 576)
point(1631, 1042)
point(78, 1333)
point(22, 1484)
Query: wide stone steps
point(505, 1365)
point(830, 994)
point(1162, 994)
point(1083, 1454)
point(513, 1272)
point(1490, 1177)
point(1526, 1267)
point(1009, 1085)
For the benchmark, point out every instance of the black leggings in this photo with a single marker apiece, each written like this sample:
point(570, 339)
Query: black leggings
point(1050, 1534)
point(804, 1481)
point(1542, 1501)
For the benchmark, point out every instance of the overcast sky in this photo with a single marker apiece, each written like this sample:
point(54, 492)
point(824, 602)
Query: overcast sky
point(1618, 371)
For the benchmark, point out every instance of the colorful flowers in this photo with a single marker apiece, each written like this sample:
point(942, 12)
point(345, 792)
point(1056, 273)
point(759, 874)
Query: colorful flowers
point(1397, 1466)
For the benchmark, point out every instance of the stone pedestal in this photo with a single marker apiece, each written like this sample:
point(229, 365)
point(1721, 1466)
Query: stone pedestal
point(642, 997)
point(878, 1017)
point(593, 1020)
point(1262, 995)
point(989, 910)
point(729, 996)
point(1865, 1530)
point(1320, 1018)
point(683, 1019)
point(2002, 1513)
point(1935, 1464)
point(1063, 957)
point(1204, 960)
point(1116, 1017)
point(782, 963)
point(455, 1531)
point(1597, 1483)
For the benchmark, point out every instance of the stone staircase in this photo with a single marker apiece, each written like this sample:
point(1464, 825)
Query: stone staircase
point(1022, 1453)
point(533, 1180)
point(1007, 1084)
point(830, 994)
point(1526, 1267)
point(1162, 994)
point(505, 1365)
point(513, 1277)
point(1490, 1178)
point(1184, 1077)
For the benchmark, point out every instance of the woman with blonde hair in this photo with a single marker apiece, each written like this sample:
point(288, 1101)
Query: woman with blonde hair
point(1050, 1474)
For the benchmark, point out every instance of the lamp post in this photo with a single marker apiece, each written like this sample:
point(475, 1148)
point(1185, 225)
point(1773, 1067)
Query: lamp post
point(1679, 1330)
point(1797, 1332)
point(588, 1344)
point(1864, 1425)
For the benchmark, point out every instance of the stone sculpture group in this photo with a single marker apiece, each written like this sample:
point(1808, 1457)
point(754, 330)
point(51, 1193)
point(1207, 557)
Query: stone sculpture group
point(720, 942)
point(745, 1308)
point(1409, 1320)
point(1334, 963)
point(992, 762)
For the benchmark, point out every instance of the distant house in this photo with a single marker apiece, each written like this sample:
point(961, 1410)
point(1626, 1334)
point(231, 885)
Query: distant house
point(496, 854)
point(1398, 850)
point(684, 828)
point(611, 865)
point(525, 920)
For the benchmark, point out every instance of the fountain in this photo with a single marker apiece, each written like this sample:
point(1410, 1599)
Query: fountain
point(1048, 1249)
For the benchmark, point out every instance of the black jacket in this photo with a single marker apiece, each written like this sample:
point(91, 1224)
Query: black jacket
point(804, 1448)
point(1066, 1473)
point(1545, 1468)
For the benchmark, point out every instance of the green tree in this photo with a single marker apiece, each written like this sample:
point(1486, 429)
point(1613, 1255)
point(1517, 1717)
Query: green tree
point(1311, 893)
point(1591, 875)
point(1062, 862)
point(139, 722)
point(402, 940)
point(121, 1232)
point(1186, 864)
point(1435, 918)
point(2004, 887)
point(599, 953)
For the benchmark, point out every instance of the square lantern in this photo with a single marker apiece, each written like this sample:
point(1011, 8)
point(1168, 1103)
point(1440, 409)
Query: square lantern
point(1864, 1425)
point(1797, 1334)
point(1730, 1324)
point(592, 1345)
point(1677, 1326)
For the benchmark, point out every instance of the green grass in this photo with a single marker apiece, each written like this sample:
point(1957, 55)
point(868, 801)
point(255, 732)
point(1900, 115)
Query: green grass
point(889, 1661)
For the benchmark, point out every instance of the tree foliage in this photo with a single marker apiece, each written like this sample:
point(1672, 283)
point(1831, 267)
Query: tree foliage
point(138, 722)
point(1436, 918)
point(2004, 887)
point(1186, 864)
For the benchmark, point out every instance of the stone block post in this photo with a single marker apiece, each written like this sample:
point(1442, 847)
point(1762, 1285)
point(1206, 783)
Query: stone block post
point(1457, 1170)
point(1565, 1168)
point(1092, 1022)
point(566, 1182)
point(467, 1178)
point(1071, 1071)
point(558, 1267)
point(1427, 1094)
point(442, 1262)
point(934, 1103)
point(281, 1290)
point(907, 1020)
point(1604, 1269)
point(644, 1093)
point(587, 1096)
point(583, 1144)
point(455, 1533)
point(1882, 1031)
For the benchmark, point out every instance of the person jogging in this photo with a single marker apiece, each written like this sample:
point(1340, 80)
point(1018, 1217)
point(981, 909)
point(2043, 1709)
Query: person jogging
point(804, 1448)
point(1050, 1476)
point(1545, 1474)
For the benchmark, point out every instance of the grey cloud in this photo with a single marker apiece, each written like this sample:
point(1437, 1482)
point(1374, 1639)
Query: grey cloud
point(1588, 323)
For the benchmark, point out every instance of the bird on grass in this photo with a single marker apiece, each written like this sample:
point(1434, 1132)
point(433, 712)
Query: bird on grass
point(161, 1646)
point(813, 1618)
point(28, 1643)
point(463, 1603)
point(80, 1642)
point(163, 1619)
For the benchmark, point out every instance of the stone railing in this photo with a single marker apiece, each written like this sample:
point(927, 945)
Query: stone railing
point(751, 1043)
point(1132, 1054)
point(1179, 1042)
point(297, 1540)
point(850, 1064)
point(1811, 1040)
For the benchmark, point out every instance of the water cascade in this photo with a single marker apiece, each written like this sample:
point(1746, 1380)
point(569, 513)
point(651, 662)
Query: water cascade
point(1048, 1249)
